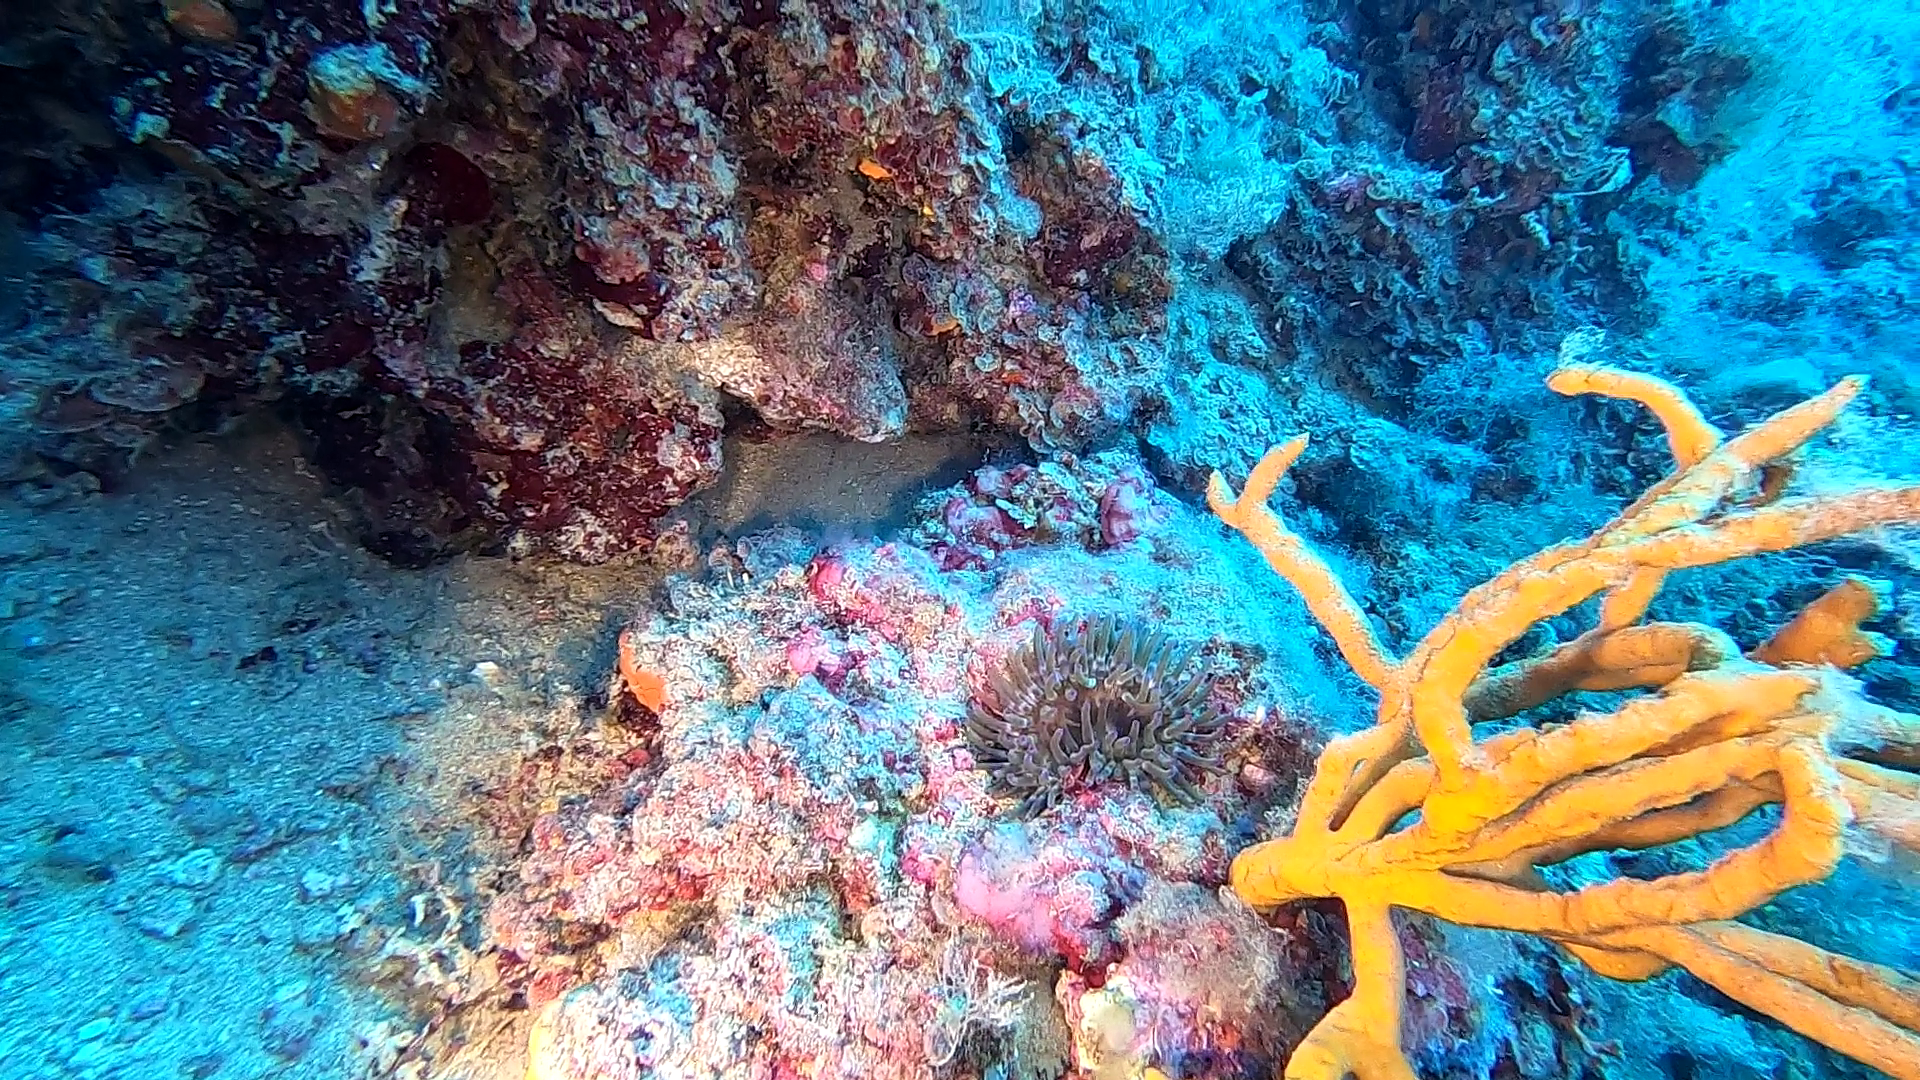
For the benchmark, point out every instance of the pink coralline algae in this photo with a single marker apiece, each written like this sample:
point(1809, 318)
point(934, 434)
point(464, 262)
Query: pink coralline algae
point(759, 802)
point(1057, 902)
point(802, 870)
point(1050, 363)
point(777, 829)
point(1097, 503)
point(775, 993)
point(651, 196)
point(1204, 988)
point(586, 474)
point(412, 295)
point(1061, 342)
point(807, 850)
point(826, 362)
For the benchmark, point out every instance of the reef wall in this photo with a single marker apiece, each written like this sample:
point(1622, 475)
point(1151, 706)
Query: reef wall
point(512, 265)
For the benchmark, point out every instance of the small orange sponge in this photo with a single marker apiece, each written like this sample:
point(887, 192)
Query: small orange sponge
point(647, 687)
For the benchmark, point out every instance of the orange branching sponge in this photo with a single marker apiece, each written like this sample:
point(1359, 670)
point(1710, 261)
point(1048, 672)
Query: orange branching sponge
point(1716, 736)
point(1828, 630)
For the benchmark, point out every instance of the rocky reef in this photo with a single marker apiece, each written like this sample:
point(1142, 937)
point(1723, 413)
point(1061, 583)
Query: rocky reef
point(518, 277)
point(510, 265)
point(778, 854)
point(513, 266)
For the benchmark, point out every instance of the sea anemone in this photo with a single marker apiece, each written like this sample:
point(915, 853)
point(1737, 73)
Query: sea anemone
point(1104, 701)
